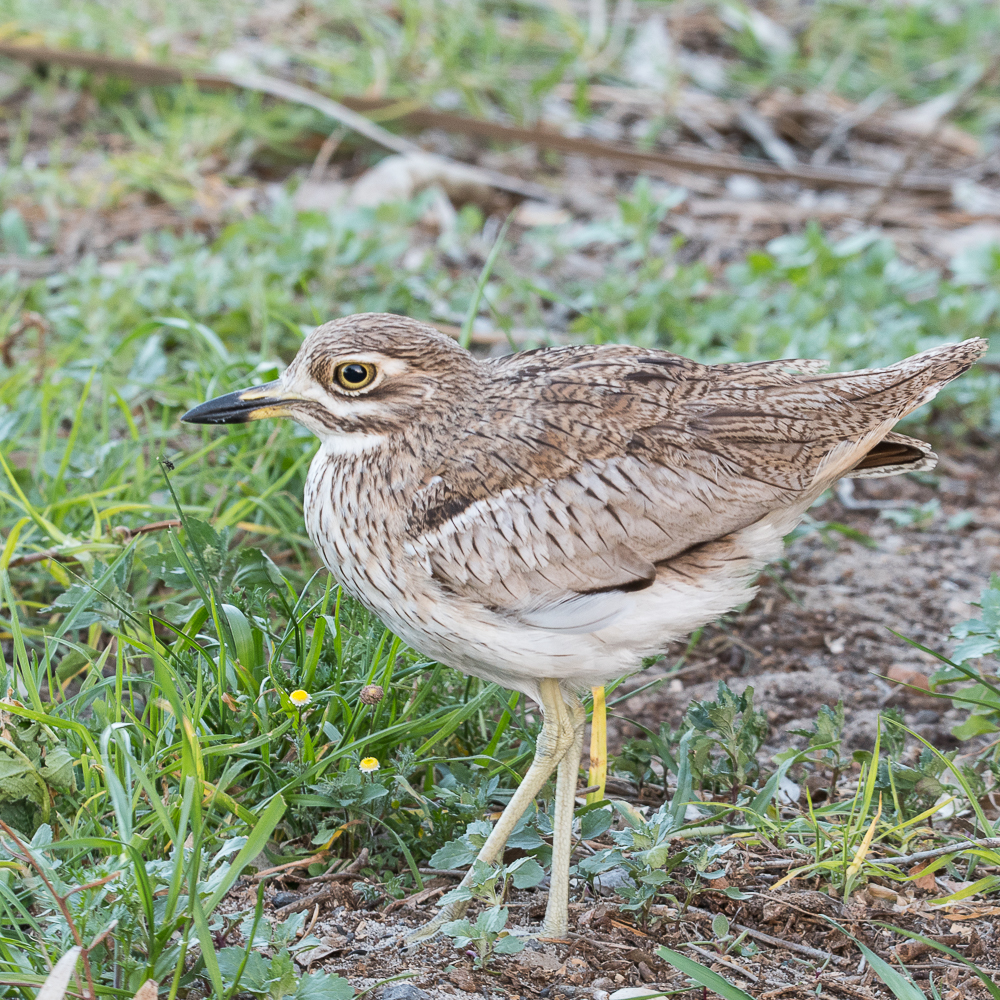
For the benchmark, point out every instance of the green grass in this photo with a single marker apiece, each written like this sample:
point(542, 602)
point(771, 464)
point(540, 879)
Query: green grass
point(148, 738)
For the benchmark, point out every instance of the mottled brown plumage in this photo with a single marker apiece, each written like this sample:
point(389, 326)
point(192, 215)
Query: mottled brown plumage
point(551, 518)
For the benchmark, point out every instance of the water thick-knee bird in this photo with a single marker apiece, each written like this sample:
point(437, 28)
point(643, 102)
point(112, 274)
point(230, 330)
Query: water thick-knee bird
point(547, 519)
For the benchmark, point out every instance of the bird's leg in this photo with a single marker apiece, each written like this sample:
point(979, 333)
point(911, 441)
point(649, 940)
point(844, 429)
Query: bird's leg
point(554, 740)
point(557, 911)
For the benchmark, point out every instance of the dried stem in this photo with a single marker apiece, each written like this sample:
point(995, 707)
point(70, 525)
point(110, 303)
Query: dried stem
point(29, 859)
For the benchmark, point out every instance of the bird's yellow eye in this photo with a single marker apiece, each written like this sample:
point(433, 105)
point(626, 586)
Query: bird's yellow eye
point(354, 375)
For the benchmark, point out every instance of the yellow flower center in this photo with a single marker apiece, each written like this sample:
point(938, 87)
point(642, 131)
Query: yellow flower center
point(299, 698)
point(369, 764)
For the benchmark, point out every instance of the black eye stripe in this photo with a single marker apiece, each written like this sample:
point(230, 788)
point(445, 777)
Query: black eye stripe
point(354, 375)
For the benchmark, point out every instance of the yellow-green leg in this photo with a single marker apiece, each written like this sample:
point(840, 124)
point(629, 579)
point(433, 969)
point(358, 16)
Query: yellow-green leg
point(557, 736)
point(557, 911)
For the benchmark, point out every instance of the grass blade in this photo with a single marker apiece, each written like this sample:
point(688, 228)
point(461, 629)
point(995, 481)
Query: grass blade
point(465, 337)
point(55, 987)
point(859, 856)
point(598, 747)
point(993, 988)
point(704, 976)
point(254, 845)
point(207, 943)
point(987, 827)
point(901, 986)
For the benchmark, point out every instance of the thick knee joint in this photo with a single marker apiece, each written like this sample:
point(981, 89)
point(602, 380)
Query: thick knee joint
point(553, 742)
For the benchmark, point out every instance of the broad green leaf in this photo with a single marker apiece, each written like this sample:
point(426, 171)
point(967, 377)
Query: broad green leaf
point(509, 944)
point(974, 725)
point(323, 986)
point(454, 854)
point(493, 920)
point(526, 873)
point(595, 822)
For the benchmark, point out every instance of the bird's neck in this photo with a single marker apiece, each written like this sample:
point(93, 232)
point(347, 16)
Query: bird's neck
point(356, 507)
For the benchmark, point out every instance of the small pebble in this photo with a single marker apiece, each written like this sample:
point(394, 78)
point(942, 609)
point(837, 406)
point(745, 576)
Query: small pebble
point(280, 899)
point(926, 717)
point(608, 882)
point(882, 893)
point(403, 991)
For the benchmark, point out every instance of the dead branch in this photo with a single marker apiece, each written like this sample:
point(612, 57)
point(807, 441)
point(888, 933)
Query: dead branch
point(150, 73)
point(327, 892)
point(984, 844)
point(682, 155)
point(800, 949)
point(32, 267)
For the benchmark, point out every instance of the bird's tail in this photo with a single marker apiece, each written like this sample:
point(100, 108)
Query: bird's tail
point(898, 390)
point(902, 387)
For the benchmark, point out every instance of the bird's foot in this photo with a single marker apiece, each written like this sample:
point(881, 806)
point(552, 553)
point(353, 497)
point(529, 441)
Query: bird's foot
point(430, 930)
point(555, 932)
point(536, 933)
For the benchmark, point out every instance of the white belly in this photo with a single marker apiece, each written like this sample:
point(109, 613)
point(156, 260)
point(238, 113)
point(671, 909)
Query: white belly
point(476, 640)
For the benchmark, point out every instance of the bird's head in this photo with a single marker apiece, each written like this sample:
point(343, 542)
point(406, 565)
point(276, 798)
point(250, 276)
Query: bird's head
point(354, 381)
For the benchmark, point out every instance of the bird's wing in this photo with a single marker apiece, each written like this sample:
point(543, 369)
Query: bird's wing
point(579, 481)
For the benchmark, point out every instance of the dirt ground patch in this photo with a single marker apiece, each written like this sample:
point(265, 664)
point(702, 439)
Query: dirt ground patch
point(606, 952)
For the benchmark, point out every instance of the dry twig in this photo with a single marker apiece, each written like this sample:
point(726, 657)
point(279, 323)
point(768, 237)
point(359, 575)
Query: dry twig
point(799, 949)
point(26, 857)
point(984, 844)
point(732, 966)
point(306, 902)
point(289, 866)
point(681, 156)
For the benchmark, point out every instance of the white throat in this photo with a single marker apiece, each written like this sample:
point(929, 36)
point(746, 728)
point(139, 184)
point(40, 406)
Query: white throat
point(350, 444)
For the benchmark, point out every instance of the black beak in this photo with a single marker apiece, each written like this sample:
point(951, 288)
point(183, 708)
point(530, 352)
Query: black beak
point(239, 407)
